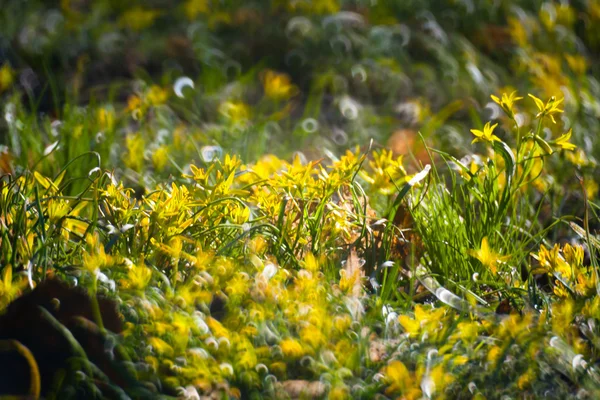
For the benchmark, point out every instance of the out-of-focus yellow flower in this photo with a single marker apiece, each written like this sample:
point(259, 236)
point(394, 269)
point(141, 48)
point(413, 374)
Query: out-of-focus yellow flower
point(291, 348)
point(6, 77)
point(440, 378)
point(518, 32)
point(138, 18)
point(217, 328)
point(585, 284)
point(247, 355)
point(338, 393)
point(106, 119)
point(134, 106)
point(342, 323)
point(577, 63)
point(591, 188)
point(157, 95)
point(138, 276)
point(401, 380)
point(160, 157)
point(161, 347)
point(238, 285)
point(319, 7)
point(562, 317)
point(494, 354)
point(425, 319)
point(77, 131)
point(9, 289)
point(236, 112)
point(487, 256)
point(278, 368)
point(278, 86)
point(578, 158)
point(134, 158)
point(486, 135)
point(193, 8)
point(94, 257)
point(468, 331)
point(526, 379)
point(313, 337)
point(310, 263)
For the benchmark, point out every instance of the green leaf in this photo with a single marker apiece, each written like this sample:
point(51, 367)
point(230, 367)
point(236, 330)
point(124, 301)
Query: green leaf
point(509, 160)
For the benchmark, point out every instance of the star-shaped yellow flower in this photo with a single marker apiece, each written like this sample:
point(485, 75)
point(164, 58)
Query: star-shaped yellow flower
point(487, 256)
point(563, 141)
point(548, 109)
point(486, 135)
point(507, 102)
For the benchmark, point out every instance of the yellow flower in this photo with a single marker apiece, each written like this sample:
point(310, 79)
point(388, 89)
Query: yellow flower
point(591, 188)
point(548, 109)
point(507, 102)
point(313, 337)
point(134, 158)
point(138, 276)
point(428, 319)
point(384, 171)
point(6, 77)
point(486, 135)
point(95, 258)
point(526, 379)
point(278, 86)
point(9, 289)
point(398, 377)
point(57, 209)
point(410, 325)
point(195, 7)
point(579, 158)
point(494, 355)
point(135, 106)
point(577, 63)
point(468, 331)
point(106, 119)
point(573, 254)
point(156, 95)
point(291, 348)
point(563, 141)
point(237, 286)
point(401, 380)
point(586, 284)
point(138, 18)
point(440, 379)
point(338, 393)
point(160, 158)
point(487, 257)
point(552, 261)
point(311, 263)
point(160, 346)
point(236, 112)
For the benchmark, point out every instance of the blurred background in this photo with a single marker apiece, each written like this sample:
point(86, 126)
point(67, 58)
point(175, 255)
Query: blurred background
point(176, 81)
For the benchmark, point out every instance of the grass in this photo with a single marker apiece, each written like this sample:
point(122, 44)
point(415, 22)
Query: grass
point(344, 213)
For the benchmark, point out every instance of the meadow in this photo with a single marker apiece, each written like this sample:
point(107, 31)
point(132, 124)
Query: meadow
point(337, 199)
